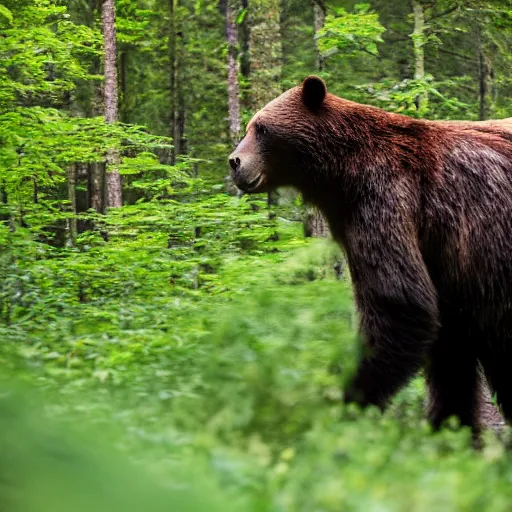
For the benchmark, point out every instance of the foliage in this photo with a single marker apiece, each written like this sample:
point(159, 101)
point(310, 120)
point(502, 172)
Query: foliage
point(38, 143)
point(401, 97)
point(223, 357)
point(42, 56)
point(41, 52)
point(351, 33)
point(46, 468)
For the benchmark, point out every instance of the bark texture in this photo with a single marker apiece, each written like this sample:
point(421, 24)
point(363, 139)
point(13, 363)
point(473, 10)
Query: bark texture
point(485, 79)
point(314, 223)
point(266, 53)
point(95, 170)
point(72, 228)
point(418, 38)
point(319, 11)
point(177, 99)
point(266, 57)
point(233, 70)
point(96, 185)
point(113, 182)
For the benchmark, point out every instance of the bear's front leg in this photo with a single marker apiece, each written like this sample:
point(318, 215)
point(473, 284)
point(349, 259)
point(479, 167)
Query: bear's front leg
point(396, 336)
point(397, 304)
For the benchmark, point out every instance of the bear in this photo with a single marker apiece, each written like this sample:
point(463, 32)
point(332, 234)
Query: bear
point(423, 212)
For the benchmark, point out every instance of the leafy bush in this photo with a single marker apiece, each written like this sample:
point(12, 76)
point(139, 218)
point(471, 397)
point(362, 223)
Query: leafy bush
point(207, 334)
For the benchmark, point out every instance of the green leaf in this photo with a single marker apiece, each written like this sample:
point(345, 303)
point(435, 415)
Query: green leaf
point(6, 14)
point(240, 18)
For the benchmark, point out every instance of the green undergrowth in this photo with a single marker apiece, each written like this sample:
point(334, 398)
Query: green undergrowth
point(208, 344)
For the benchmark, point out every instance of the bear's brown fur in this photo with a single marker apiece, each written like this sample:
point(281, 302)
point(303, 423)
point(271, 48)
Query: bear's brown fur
point(423, 211)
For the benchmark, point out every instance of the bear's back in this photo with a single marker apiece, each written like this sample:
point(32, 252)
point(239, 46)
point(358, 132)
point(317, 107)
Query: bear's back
point(466, 227)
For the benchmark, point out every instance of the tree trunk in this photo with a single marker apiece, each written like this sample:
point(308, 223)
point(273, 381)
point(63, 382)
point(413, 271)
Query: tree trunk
point(4, 209)
point(418, 39)
point(319, 11)
point(180, 135)
point(3, 194)
point(314, 222)
point(485, 80)
point(72, 229)
point(266, 55)
point(177, 100)
point(96, 171)
point(123, 64)
point(172, 78)
point(113, 181)
point(265, 51)
point(245, 59)
point(96, 186)
point(233, 69)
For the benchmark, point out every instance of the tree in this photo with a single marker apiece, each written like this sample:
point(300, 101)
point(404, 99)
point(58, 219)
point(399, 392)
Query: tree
point(265, 52)
point(113, 182)
point(176, 50)
point(233, 70)
point(485, 78)
point(72, 227)
point(418, 38)
point(314, 222)
point(319, 12)
point(344, 34)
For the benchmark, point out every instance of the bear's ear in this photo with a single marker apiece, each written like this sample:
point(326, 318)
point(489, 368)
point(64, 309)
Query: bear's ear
point(313, 92)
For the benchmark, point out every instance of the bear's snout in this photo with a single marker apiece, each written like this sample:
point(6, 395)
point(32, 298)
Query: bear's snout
point(234, 163)
point(248, 168)
point(247, 178)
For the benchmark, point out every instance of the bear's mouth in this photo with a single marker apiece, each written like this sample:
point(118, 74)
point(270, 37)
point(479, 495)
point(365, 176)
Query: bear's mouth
point(254, 185)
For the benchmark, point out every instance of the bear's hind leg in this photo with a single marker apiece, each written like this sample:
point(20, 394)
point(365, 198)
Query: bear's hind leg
point(452, 377)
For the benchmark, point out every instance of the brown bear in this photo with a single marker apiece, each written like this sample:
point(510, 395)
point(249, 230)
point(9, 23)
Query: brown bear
point(423, 212)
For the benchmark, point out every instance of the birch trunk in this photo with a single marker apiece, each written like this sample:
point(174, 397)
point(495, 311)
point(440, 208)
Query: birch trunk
point(233, 70)
point(113, 179)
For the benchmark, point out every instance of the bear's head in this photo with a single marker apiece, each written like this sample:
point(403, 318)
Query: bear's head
point(280, 140)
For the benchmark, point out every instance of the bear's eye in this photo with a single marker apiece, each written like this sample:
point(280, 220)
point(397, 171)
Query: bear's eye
point(260, 129)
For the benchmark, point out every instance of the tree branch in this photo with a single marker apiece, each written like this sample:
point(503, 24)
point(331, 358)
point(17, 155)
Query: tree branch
point(321, 4)
point(441, 14)
point(455, 54)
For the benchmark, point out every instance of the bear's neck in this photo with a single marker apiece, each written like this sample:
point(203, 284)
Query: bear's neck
point(363, 154)
point(332, 204)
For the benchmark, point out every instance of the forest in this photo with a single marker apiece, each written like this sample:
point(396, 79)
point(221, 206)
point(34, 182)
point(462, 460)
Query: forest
point(167, 343)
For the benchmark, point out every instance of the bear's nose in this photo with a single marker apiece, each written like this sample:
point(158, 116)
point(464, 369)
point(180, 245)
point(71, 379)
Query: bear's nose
point(234, 163)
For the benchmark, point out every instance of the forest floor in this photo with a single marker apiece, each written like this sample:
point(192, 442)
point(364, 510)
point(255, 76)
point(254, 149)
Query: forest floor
point(212, 354)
